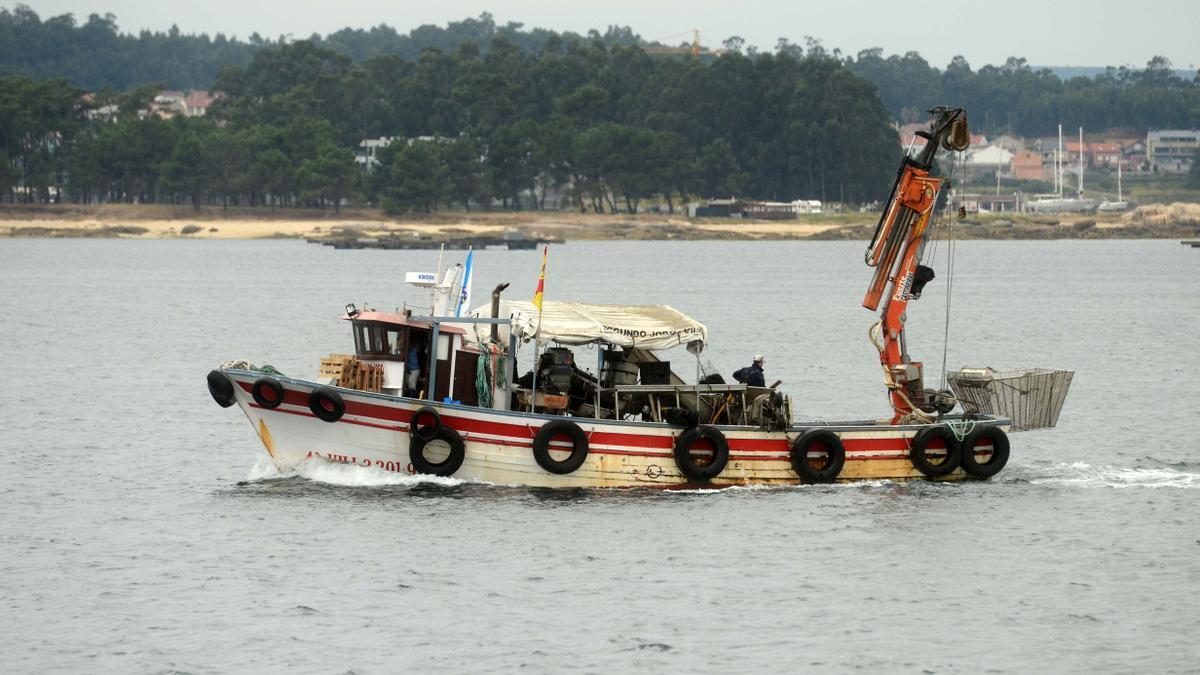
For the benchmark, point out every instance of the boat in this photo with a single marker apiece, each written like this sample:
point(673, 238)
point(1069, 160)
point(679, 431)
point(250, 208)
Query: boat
point(511, 239)
point(438, 392)
point(1057, 203)
point(1119, 205)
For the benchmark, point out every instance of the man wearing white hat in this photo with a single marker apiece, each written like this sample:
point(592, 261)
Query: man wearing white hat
point(752, 375)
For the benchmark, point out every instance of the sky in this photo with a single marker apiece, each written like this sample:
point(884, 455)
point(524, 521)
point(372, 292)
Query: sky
point(1045, 32)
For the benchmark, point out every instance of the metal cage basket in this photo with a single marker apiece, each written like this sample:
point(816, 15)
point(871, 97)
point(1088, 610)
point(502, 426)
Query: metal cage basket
point(1031, 397)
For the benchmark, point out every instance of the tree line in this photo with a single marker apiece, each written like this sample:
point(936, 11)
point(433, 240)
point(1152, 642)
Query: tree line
point(1011, 97)
point(95, 54)
point(1017, 98)
point(606, 126)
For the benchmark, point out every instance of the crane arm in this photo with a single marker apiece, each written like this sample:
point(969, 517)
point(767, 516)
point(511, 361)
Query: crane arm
point(895, 252)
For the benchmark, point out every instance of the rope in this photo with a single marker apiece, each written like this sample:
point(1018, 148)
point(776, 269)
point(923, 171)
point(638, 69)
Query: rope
point(950, 250)
point(916, 415)
point(483, 374)
point(488, 373)
point(242, 364)
point(961, 429)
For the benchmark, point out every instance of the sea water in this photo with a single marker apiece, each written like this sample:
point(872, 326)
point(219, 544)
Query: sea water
point(143, 530)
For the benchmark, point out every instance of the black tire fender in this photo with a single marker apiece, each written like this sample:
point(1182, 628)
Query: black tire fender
point(687, 463)
point(920, 443)
point(551, 430)
point(267, 392)
point(999, 440)
point(446, 467)
point(221, 389)
point(326, 403)
point(818, 438)
point(425, 423)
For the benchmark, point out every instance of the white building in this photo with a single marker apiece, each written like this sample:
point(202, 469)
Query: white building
point(366, 154)
point(1172, 150)
point(988, 161)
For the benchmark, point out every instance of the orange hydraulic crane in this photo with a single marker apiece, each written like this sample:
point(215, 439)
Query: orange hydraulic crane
point(895, 252)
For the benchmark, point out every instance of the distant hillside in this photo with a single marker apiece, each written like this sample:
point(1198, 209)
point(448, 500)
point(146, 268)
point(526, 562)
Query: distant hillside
point(1012, 97)
point(1068, 72)
point(95, 54)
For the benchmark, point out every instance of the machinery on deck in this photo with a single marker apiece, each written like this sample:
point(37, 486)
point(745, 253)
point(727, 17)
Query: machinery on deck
point(895, 252)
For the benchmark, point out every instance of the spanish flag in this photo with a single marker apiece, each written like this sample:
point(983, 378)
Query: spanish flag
point(541, 287)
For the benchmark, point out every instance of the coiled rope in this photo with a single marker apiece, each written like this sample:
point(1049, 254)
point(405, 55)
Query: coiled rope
point(916, 415)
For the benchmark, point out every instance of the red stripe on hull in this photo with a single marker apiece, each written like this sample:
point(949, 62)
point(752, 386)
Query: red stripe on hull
point(863, 445)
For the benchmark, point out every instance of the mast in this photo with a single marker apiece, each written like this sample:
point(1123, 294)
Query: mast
point(895, 252)
point(1060, 163)
point(1119, 179)
point(1081, 162)
point(1055, 171)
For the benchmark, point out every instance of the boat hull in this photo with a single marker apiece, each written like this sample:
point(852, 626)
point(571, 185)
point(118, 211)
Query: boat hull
point(374, 432)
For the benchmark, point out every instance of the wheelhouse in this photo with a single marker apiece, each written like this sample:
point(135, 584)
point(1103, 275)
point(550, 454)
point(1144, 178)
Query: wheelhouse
point(404, 346)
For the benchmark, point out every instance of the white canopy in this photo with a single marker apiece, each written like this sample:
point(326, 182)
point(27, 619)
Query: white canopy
point(576, 323)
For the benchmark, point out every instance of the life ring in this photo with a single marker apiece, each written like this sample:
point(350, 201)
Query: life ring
point(688, 463)
point(548, 432)
point(446, 467)
point(326, 403)
point(221, 389)
point(267, 392)
point(818, 440)
point(952, 450)
point(425, 423)
point(999, 457)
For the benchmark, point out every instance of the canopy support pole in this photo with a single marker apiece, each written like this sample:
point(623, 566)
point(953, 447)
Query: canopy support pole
point(537, 347)
point(433, 353)
point(599, 370)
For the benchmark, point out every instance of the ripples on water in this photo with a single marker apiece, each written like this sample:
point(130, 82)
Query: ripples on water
point(144, 532)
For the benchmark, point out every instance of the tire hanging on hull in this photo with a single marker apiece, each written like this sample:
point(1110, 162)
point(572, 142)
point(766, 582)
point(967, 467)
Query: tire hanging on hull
point(998, 458)
point(952, 453)
point(446, 467)
point(541, 446)
point(425, 423)
point(687, 463)
point(267, 392)
point(816, 440)
point(326, 403)
point(221, 389)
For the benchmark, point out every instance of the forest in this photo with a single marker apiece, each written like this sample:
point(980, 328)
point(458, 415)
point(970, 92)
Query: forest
point(608, 125)
point(500, 116)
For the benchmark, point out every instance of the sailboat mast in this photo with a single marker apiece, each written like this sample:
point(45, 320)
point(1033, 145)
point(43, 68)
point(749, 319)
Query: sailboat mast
point(1119, 179)
point(1081, 162)
point(1055, 171)
point(1058, 163)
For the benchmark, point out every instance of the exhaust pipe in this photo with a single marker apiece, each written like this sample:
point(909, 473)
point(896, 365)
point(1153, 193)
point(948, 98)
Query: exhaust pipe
point(496, 310)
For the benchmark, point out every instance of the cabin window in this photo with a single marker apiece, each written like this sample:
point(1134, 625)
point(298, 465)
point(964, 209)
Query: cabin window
point(380, 340)
point(377, 345)
point(360, 339)
point(395, 341)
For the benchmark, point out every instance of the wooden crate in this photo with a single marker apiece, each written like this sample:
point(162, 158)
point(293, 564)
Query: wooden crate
point(335, 366)
point(347, 371)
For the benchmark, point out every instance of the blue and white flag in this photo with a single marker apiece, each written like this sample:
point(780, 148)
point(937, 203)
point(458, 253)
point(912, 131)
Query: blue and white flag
point(464, 295)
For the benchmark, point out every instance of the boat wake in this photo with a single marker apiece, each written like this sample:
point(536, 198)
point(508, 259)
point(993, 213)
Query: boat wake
point(1076, 474)
point(1082, 474)
point(319, 470)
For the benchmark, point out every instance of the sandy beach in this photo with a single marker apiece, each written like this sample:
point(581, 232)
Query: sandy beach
point(156, 222)
point(152, 222)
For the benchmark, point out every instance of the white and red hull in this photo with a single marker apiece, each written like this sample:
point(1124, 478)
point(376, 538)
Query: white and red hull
point(374, 432)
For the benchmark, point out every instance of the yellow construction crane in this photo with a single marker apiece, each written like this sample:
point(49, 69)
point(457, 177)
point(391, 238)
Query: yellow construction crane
point(694, 50)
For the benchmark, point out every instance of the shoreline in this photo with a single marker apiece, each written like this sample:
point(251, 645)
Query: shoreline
point(126, 221)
